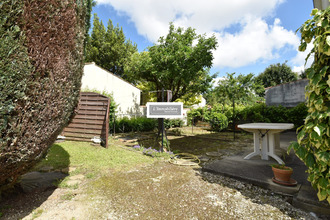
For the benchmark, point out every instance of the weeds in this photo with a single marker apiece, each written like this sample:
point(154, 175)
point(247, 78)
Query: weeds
point(68, 196)
point(37, 213)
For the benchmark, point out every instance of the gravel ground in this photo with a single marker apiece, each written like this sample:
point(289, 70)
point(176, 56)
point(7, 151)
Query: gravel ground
point(158, 191)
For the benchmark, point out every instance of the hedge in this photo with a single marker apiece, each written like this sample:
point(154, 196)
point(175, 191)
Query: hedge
point(41, 65)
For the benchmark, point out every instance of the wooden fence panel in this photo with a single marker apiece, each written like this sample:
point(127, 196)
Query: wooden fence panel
point(92, 119)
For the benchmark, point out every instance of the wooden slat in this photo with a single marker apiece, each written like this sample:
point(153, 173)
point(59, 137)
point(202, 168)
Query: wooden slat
point(86, 126)
point(96, 102)
point(92, 118)
point(79, 135)
point(88, 121)
point(92, 107)
point(93, 98)
point(83, 131)
point(90, 112)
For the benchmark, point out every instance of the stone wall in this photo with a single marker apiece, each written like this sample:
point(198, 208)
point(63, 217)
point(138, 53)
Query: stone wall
point(287, 95)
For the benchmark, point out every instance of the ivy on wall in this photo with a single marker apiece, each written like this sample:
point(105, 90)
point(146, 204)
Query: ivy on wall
point(313, 140)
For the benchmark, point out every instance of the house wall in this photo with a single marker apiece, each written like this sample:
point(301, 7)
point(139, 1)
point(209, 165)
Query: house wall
point(126, 96)
point(287, 95)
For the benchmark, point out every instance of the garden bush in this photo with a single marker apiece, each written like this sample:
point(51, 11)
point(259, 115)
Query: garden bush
point(126, 124)
point(250, 114)
point(173, 123)
point(218, 121)
point(41, 65)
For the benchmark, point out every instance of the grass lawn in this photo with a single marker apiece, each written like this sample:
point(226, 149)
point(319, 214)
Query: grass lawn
point(89, 158)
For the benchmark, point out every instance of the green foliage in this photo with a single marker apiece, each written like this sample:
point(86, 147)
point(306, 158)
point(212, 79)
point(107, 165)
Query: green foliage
point(176, 63)
point(251, 113)
point(126, 124)
point(313, 140)
point(242, 89)
point(173, 123)
point(109, 47)
point(41, 50)
point(273, 114)
point(277, 74)
point(218, 121)
point(214, 116)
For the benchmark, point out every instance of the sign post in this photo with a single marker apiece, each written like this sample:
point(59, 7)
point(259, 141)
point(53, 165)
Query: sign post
point(164, 110)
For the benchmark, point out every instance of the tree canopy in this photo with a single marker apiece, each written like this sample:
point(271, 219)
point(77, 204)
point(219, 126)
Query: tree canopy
point(242, 89)
point(108, 47)
point(277, 74)
point(180, 62)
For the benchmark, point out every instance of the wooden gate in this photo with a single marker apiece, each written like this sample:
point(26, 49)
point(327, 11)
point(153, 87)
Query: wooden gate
point(91, 120)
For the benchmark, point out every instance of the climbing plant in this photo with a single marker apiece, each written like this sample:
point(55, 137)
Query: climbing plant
point(313, 140)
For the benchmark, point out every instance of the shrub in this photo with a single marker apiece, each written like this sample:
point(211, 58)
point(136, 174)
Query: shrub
point(218, 121)
point(41, 65)
point(297, 115)
point(250, 114)
point(173, 123)
point(126, 124)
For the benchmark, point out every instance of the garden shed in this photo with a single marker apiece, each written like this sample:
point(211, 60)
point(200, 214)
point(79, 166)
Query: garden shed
point(91, 120)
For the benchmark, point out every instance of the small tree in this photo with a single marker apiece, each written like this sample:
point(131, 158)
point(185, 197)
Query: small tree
point(180, 63)
point(313, 140)
point(176, 64)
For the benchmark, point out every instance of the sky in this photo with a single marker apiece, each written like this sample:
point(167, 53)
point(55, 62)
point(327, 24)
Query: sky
point(251, 34)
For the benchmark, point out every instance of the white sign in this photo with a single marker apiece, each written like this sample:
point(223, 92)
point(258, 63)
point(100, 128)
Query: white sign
point(164, 109)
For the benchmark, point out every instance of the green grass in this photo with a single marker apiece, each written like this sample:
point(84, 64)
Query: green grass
point(91, 158)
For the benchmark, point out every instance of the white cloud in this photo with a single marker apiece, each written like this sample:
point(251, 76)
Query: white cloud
point(254, 41)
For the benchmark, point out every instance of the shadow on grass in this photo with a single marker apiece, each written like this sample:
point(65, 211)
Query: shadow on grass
point(35, 187)
point(200, 144)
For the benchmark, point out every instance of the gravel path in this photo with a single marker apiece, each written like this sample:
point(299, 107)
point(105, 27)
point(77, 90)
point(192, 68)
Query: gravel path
point(158, 191)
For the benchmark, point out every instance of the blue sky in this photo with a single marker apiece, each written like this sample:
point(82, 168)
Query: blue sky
point(252, 34)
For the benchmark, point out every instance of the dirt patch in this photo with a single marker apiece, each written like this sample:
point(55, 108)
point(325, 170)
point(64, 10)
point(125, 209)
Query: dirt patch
point(158, 191)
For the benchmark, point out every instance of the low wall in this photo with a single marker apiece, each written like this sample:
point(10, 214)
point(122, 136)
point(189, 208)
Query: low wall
point(288, 94)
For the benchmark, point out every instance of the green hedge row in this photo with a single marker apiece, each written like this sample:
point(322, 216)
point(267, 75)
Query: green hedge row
point(126, 124)
point(41, 65)
point(220, 117)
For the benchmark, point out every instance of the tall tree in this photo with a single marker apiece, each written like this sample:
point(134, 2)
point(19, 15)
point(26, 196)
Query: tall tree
point(109, 47)
point(180, 62)
point(277, 74)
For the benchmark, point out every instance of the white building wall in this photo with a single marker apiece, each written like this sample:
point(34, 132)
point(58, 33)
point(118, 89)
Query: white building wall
point(126, 96)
